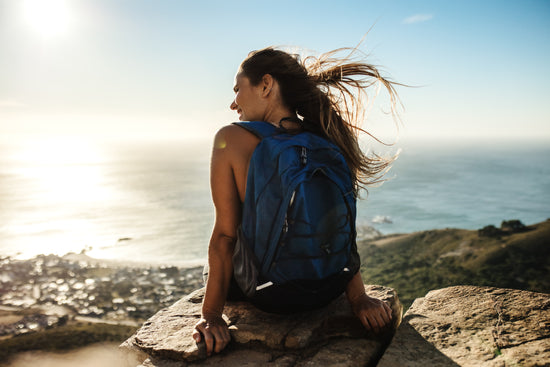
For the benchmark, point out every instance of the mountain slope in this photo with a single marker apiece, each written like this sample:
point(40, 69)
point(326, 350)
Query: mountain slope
point(510, 257)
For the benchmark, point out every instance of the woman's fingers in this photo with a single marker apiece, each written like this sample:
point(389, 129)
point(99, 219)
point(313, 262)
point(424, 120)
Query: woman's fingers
point(375, 316)
point(214, 333)
point(202, 329)
point(220, 338)
point(209, 341)
point(365, 321)
point(374, 323)
point(382, 314)
point(196, 335)
point(368, 320)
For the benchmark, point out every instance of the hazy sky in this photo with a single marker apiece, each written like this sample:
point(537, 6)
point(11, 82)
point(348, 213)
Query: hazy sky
point(166, 68)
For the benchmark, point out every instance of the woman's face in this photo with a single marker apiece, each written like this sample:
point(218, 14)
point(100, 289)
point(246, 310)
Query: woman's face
point(248, 102)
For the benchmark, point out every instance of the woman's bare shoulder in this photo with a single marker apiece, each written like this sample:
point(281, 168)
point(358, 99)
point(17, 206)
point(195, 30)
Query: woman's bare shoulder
point(234, 137)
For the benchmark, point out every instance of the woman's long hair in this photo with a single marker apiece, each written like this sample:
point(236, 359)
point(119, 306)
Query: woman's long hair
point(326, 92)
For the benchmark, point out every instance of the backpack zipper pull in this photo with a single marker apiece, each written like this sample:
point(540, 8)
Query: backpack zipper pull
point(303, 156)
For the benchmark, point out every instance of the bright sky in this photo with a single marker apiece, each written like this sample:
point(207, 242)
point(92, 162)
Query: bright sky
point(166, 68)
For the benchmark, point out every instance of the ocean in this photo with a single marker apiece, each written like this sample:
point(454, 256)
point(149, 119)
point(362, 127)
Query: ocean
point(149, 202)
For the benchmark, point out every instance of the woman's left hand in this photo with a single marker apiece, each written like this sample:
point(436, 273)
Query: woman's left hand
point(373, 313)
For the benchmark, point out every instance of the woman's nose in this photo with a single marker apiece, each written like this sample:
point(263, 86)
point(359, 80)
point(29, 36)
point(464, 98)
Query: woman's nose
point(233, 105)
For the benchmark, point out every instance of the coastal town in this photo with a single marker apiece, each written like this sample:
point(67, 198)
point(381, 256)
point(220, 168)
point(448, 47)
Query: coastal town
point(49, 291)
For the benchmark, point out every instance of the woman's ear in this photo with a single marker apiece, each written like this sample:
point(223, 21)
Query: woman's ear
point(267, 84)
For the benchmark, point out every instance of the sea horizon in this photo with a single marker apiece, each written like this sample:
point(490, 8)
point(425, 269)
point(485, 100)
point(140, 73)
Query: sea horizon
point(149, 202)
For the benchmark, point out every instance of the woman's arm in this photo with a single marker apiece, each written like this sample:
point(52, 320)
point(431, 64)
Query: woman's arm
point(211, 326)
point(373, 313)
point(226, 200)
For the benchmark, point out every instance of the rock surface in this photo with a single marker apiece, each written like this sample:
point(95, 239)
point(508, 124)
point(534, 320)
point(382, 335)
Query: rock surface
point(473, 326)
point(331, 336)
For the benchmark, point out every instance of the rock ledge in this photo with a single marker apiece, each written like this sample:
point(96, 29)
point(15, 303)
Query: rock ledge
point(473, 326)
point(329, 336)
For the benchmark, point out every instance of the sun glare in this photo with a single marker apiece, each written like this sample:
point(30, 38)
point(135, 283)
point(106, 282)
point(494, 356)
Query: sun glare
point(63, 171)
point(48, 18)
point(62, 180)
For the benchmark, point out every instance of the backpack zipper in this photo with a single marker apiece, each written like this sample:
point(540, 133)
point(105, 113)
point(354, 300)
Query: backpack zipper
point(303, 156)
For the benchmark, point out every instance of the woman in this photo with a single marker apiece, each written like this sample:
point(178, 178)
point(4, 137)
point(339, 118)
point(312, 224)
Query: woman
point(315, 95)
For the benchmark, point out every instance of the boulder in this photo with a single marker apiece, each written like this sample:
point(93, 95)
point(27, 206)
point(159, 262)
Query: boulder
point(330, 336)
point(473, 326)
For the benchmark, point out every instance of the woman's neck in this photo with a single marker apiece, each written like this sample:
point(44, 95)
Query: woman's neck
point(280, 115)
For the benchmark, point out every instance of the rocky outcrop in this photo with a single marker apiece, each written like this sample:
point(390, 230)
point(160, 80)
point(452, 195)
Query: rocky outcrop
point(331, 336)
point(455, 326)
point(473, 326)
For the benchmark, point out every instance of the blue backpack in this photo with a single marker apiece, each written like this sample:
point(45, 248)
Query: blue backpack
point(296, 246)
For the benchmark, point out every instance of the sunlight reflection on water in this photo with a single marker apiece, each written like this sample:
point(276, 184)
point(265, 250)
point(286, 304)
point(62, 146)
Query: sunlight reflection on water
point(55, 178)
point(64, 195)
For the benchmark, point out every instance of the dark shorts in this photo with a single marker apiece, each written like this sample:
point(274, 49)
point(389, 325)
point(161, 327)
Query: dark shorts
point(288, 298)
point(234, 293)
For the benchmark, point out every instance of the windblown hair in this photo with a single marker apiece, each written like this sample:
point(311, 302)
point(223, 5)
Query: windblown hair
point(327, 92)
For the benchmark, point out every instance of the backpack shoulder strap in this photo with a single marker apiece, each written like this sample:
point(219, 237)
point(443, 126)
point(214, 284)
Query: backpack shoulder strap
point(259, 128)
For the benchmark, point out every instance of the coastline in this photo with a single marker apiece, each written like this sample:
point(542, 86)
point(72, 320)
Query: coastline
point(105, 300)
point(78, 285)
point(52, 303)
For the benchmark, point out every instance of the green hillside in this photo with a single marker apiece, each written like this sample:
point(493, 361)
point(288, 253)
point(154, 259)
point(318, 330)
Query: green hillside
point(506, 257)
